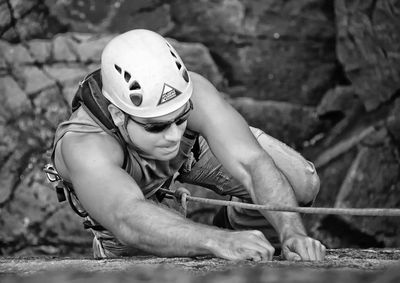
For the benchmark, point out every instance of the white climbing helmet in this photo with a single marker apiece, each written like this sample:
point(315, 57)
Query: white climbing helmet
point(143, 75)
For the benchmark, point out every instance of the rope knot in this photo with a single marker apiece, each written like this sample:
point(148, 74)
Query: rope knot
point(181, 194)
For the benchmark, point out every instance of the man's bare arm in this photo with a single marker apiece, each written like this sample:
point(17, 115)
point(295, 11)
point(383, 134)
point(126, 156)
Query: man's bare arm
point(234, 145)
point(114, 199)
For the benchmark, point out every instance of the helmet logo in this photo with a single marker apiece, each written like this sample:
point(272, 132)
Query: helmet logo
point(168, 93)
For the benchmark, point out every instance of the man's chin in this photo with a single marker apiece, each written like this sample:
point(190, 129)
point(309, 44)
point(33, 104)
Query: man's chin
point(165, 156)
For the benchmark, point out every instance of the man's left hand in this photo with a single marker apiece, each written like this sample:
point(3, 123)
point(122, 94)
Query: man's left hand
point(300, 247)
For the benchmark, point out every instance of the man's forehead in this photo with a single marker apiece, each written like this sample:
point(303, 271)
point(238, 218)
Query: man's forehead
point(164, 118)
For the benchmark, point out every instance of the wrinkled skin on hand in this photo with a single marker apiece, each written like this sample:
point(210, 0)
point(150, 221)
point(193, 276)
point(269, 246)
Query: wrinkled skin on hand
point(244, 245)
point(300, 247)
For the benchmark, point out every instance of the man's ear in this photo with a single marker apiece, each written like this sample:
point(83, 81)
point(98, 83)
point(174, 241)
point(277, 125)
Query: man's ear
point(117, 115)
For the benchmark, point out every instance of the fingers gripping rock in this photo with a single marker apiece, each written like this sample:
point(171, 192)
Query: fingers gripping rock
point(244, 245)
point(303, 248)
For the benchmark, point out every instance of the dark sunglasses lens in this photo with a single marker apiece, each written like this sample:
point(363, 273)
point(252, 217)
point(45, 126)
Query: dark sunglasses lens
point(156, 128)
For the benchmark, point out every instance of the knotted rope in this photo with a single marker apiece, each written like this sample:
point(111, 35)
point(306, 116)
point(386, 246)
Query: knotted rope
point(183, 195)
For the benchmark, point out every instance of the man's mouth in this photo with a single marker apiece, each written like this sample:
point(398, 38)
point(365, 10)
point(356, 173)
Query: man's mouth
point(171, 148)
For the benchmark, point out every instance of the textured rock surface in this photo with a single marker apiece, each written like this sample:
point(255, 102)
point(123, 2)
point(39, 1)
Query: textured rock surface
point(371, 180)
point(339, 266)
point(368, 46)
point(323, 76)
point(269, 50)
point(283, 120)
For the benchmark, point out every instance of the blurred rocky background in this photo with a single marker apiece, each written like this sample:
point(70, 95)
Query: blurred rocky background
point(323, 76)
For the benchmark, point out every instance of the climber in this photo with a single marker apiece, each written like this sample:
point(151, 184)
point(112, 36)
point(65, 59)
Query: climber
point(143, 121)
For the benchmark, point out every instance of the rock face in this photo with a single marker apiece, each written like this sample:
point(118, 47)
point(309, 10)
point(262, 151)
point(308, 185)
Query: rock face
point(368, 48)
point(322, 76)
point(341, 265)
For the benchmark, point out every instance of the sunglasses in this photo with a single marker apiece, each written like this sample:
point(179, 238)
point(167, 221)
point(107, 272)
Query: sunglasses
point(158, 127)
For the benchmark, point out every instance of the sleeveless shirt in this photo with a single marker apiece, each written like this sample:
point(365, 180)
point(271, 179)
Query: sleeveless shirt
point(149, 174)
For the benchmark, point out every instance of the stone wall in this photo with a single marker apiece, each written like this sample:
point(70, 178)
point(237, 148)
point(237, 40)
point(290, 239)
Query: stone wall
point(323, 76)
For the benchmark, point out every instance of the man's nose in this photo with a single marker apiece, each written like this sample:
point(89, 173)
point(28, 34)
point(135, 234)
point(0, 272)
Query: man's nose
point(173, 133)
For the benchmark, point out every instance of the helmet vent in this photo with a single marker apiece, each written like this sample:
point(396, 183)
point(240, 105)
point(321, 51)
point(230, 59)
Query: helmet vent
point(118, 68)
point(134, 86)
point(173, 54)
point(136, 98)
point(178, 65)
point(127, 76)
point(185, 76)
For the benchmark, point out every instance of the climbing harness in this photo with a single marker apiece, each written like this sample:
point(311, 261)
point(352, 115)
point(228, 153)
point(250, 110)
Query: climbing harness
point(63, 190)
point(183, 195)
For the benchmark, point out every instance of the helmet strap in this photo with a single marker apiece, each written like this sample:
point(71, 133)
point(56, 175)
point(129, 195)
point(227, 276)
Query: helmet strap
point(123, 129)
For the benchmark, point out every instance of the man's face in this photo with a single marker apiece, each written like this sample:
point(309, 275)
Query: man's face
point(161, 140)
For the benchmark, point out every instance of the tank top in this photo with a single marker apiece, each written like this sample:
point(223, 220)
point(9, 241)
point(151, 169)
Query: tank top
point(149, 174)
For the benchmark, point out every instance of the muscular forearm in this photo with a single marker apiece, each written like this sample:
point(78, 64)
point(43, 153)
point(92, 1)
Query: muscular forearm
point(269, 186)
point(160, 231)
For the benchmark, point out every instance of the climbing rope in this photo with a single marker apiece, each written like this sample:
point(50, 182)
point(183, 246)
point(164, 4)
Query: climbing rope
point(183, 195)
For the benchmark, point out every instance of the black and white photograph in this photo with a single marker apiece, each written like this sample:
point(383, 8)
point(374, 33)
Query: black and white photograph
point(200, 141)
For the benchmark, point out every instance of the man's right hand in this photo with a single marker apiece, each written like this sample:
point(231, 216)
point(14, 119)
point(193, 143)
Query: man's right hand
point(243, 245)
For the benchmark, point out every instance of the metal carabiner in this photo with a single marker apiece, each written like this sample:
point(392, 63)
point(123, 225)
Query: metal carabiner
point(51, 173)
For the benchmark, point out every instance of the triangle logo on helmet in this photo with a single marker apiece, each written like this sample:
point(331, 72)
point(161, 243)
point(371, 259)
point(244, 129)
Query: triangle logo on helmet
point(168, 93)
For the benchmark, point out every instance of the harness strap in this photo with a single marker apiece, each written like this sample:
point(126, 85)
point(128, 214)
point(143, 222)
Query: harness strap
point(160, 194)
point(87, 224)
point(196, 149)
point(65, 192)
point(90, 97)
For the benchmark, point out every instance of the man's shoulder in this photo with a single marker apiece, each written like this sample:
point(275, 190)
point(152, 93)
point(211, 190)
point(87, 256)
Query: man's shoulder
point(202, 88)
point(86, 138)
point(76, 148)
point(207, 103)
point(198, 79)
